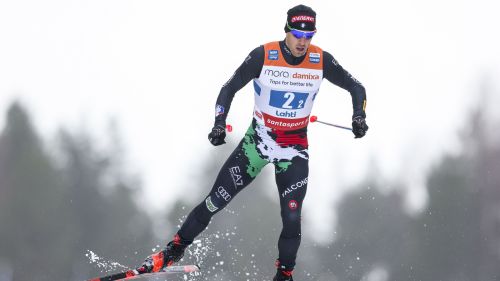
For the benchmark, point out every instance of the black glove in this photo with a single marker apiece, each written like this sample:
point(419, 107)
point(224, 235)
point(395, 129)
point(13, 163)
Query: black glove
point(359, 126)
point(217, 135)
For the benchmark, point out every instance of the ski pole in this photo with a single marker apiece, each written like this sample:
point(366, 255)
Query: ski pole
point(314, 118)
point(141, 270)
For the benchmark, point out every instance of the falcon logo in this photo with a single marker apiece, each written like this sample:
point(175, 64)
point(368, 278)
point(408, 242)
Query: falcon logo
point(294, 187)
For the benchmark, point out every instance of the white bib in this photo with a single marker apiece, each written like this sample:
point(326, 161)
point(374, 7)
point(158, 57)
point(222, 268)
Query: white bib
point(284, 94)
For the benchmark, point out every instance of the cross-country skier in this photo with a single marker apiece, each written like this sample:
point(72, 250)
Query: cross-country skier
point(286, 78)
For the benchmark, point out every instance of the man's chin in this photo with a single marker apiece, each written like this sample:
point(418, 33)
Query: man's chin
point(299, 54)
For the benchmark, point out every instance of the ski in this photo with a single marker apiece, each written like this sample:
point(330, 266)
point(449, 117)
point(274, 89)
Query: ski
point(140, 272)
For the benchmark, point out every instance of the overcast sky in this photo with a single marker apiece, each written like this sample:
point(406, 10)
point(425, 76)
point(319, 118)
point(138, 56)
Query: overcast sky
point(157, 68)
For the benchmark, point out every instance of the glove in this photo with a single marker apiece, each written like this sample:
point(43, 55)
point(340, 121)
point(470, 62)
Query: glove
point(217, 135)
point(359, 127)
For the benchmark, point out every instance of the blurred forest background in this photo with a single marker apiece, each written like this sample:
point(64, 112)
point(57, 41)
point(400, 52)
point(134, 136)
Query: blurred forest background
point(61, 200)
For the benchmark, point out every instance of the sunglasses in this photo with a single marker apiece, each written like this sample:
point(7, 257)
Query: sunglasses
point(301, 34)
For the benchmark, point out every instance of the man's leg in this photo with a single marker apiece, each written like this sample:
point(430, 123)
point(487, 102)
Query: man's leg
point(291, 178)
point(238, 171)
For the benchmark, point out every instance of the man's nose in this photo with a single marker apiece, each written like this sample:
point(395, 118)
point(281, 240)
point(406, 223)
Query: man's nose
point(302, 41)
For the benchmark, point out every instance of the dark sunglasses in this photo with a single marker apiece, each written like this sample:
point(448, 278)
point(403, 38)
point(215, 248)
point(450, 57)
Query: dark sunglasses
point(301, 34)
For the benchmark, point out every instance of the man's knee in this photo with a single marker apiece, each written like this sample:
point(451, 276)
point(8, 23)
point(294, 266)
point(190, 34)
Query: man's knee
point(291, 223)
point(291, 218)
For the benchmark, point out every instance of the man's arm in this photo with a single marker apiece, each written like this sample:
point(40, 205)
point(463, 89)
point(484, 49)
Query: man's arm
point(247, 71)
point(336, 74)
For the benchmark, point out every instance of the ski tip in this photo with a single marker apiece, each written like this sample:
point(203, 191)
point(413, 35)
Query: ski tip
point(191, 268)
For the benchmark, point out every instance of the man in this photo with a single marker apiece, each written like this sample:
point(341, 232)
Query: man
point(286, 78)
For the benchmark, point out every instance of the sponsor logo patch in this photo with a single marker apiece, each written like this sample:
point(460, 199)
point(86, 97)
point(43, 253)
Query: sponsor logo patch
point(210, 205)
point(314, 57)
point(294, 187)
point(302, 18)
point(285, 124)
point(236, 176)
point(286, 74)
point(277, 73)
point(293, 205)
point(222, 193)
point(272, 55)
point(306, 76)
point(219, 110)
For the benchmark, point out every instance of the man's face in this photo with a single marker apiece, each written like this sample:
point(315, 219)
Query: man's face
point(297, 46)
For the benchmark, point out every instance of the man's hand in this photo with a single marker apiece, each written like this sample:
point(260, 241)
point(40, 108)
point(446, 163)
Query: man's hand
point(359, 127)
point(217, 135)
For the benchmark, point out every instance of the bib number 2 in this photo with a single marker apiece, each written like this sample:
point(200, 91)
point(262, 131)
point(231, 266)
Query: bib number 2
point(287, 100)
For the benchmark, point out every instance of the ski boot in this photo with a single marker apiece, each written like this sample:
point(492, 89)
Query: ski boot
point(283, 273)
point(173, 252)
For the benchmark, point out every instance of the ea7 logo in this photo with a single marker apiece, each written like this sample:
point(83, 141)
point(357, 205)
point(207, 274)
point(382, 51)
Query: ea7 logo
point(236, 176)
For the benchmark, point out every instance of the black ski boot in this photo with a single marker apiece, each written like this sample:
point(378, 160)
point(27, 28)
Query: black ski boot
point(283, 273)
point(173, 252)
